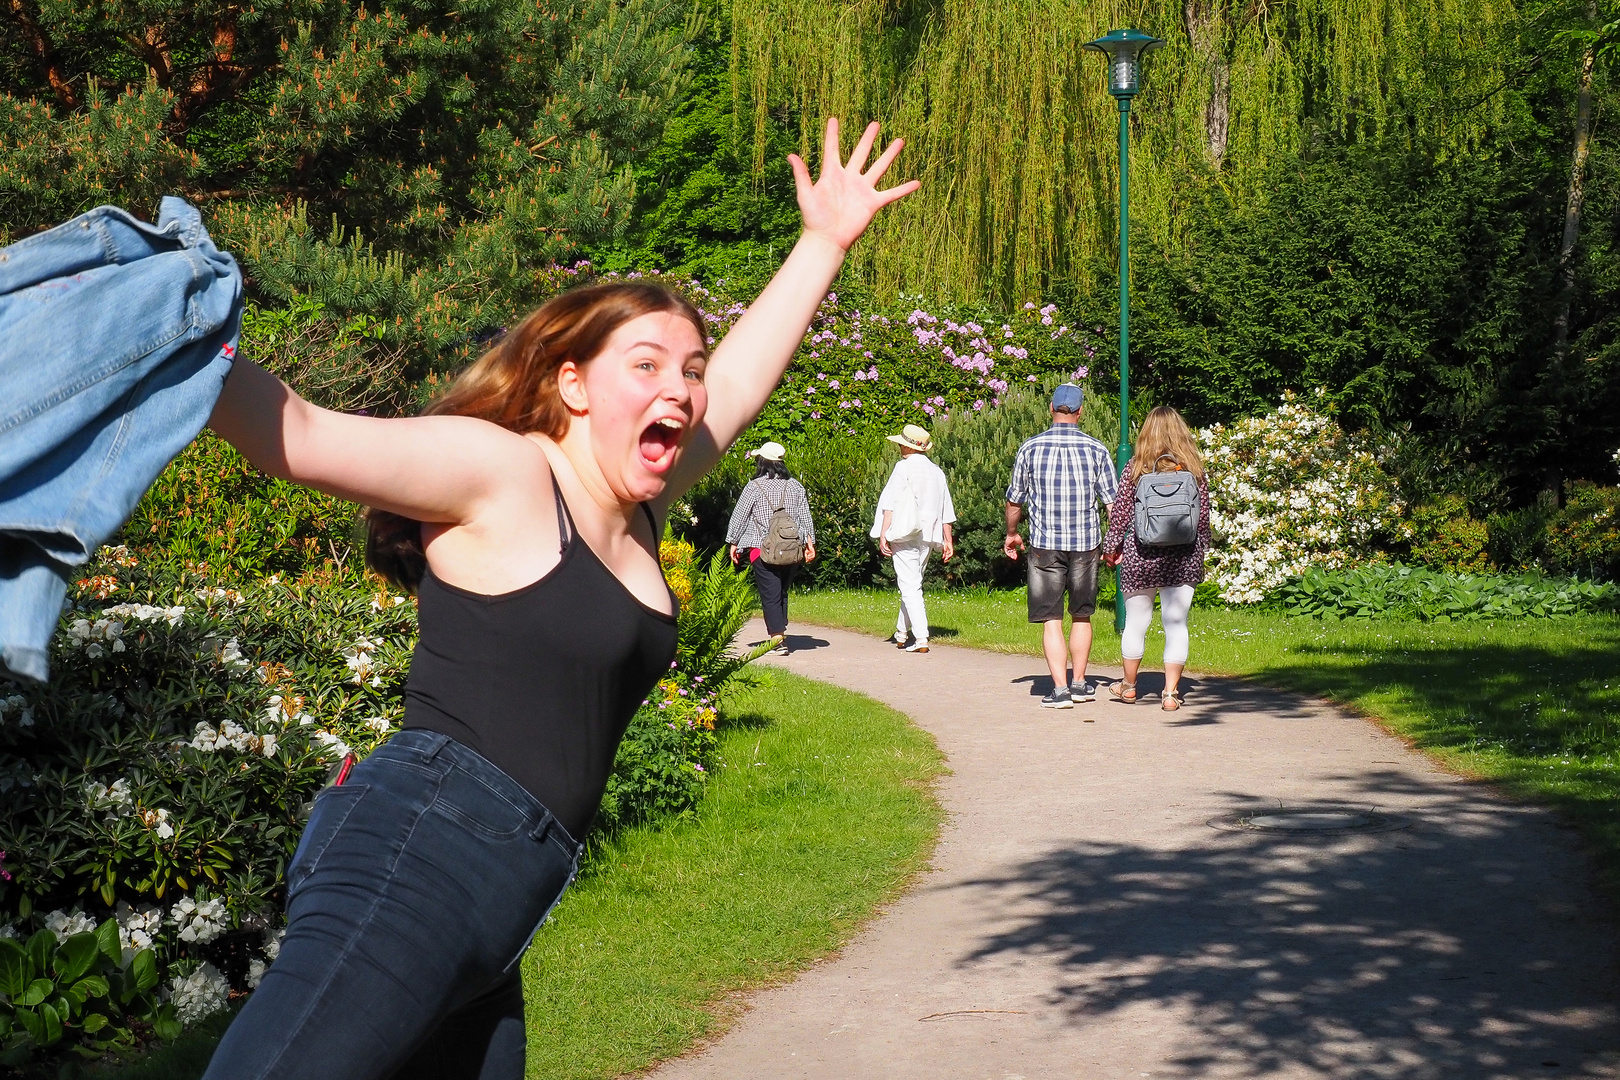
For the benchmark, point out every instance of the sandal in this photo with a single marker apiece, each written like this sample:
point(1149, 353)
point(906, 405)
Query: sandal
point(1123, 691)
point(1171, 700)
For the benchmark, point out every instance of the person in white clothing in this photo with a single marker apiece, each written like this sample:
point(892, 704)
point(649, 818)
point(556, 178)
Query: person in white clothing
point(914, 516)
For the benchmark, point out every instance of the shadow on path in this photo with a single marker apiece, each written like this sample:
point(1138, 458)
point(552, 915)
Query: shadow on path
point(1317, 956)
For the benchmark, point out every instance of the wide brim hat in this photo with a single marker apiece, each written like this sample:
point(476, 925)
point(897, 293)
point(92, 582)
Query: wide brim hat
point(771, 451)
point(914, 437)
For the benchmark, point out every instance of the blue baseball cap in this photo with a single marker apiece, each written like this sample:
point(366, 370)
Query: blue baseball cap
point(1067, 398)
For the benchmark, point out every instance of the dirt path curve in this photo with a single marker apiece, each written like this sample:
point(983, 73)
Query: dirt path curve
point(1083, 919)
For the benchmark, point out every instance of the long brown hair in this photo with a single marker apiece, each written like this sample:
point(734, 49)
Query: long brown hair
point(1164, 434)
point(514, 385)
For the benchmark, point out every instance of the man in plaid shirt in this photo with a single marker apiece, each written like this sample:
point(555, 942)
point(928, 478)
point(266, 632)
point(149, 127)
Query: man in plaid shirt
point(1061, 475)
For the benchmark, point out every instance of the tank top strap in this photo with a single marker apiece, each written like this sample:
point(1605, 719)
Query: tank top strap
point(565, 518)
point(652, 522)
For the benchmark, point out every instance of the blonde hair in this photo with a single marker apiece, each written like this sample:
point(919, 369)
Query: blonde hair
point(514, 385)
point(1164, 434)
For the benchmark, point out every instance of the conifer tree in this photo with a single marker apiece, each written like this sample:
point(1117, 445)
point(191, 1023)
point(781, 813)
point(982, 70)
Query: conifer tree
point(417, 160)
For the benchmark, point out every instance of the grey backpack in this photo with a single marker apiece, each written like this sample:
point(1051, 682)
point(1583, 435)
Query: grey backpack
point(782, 546)
point(1166, 507)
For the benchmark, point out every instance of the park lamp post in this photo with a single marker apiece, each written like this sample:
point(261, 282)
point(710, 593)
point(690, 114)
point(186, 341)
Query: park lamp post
point(1124, 49)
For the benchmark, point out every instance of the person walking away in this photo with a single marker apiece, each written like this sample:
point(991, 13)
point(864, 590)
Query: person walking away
point(1158, 534)
point(1061, 475)
point(771, 493)
point(913, 518)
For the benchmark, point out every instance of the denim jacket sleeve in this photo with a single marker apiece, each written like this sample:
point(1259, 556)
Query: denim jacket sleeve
point(115, 340)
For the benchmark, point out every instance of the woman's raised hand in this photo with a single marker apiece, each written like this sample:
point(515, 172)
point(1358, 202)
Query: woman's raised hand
point(842, 201)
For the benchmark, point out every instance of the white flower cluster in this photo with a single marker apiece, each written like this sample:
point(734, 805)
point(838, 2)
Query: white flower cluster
point(8, 932)
point(383, 601)
point(326, 738)
point(227, 654)
point(1288, 490)
point(272, 949)
point(16, 705)
point(137, 929)
point(229, 596)
point(380, 724)
point(202, 993)
point(231, 735)
point(97, 638)
point(287, 711)
point(146, 613)
point(362, 666)
point(198, 921)
point(158, 822)
point(113, 796)
point(65, 924)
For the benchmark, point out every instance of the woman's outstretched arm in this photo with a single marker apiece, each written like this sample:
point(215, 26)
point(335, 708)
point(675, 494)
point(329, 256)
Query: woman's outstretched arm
point(431, 468)
point(749, 363)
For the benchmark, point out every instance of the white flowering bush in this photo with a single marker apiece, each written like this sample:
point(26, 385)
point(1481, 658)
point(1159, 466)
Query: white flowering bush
point(158, 783)
point(1290, 490)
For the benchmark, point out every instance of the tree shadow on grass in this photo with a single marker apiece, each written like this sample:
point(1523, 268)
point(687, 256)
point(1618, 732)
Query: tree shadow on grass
point(1463, 946)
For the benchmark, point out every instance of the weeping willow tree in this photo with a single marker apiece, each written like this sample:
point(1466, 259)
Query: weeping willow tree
point(1013, 135)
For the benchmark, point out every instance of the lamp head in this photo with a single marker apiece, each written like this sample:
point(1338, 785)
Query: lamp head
point(1124, 48)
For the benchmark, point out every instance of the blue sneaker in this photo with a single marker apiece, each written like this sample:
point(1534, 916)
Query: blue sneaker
point(1081, 692)
point(1057, 699)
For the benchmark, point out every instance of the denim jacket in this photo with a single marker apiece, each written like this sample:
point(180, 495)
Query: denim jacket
point(115, 339)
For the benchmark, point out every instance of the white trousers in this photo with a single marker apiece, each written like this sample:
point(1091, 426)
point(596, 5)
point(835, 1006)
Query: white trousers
point(1174, 603)
point(910, 557)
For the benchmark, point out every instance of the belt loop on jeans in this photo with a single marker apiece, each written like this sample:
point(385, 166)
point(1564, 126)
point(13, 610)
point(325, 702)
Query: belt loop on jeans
point(437, 741)
point(539, 831)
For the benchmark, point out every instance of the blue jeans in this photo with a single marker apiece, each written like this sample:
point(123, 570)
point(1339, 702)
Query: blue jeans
point(115, 340)
point(414, 891)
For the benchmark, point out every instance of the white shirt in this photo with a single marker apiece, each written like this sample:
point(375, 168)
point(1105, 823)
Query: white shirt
point(919, 481)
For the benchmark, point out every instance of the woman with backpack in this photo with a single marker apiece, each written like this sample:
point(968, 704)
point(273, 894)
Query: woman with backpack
point(1158, 533)
point(772, 524)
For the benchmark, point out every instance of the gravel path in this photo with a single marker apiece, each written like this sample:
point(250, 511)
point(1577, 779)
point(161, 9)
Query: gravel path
point(1083, 919)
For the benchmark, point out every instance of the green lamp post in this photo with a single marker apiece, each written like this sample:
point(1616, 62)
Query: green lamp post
point(1124, 49)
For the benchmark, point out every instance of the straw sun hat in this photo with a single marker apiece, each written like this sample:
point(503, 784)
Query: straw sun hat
point(914, 437)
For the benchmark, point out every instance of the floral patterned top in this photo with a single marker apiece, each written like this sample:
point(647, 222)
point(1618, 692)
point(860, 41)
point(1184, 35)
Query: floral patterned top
point(1143, 569)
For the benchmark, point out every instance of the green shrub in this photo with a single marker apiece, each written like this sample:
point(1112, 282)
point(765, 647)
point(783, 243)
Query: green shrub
point(213, 512)
point(1388, 590)
point(1516, 539)
point(1445, 536)
point(85, 989)
point(1584, 537)
point(345, 364)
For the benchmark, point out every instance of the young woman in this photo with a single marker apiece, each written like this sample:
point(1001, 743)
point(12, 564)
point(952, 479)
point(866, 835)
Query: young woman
point(1164, 444)
point(771, 489)
point(527, 508)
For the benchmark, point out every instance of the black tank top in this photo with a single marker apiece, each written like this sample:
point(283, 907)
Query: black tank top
point(543, 680)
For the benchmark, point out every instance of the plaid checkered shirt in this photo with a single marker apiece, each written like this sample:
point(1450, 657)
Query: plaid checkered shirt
point(1059, 477)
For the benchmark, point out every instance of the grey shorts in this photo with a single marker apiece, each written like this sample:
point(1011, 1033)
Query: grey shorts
point(1052, 573)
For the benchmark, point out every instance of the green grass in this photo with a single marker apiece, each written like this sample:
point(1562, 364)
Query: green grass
point(1531, 703)
point(821, 811)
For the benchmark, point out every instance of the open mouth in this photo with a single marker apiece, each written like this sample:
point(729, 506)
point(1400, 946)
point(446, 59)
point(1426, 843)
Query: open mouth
point(659, 441)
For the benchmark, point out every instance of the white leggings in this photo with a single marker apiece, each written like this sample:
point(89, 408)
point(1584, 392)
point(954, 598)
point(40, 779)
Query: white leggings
point(1174, 603)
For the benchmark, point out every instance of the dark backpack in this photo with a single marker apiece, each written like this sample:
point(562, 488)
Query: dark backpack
point(782, 546)
point(1166, 507)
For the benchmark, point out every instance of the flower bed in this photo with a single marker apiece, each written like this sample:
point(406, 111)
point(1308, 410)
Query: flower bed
point(158, 784)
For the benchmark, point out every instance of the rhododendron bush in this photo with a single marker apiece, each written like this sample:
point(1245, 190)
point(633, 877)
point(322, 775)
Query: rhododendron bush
point(159, 782)
point(1289, 490)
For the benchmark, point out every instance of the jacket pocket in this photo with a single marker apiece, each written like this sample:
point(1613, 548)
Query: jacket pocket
point(332, 808)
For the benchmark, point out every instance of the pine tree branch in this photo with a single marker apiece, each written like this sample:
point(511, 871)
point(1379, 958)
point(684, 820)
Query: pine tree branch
point(45, 51)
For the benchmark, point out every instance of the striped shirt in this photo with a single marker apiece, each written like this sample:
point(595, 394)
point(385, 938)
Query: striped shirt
point(1059, 477)
point(760, 498)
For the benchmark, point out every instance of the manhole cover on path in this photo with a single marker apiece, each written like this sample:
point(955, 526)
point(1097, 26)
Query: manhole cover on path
point(1307, 821)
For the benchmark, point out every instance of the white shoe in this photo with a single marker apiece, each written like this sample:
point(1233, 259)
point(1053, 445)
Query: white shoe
point(918, 646)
